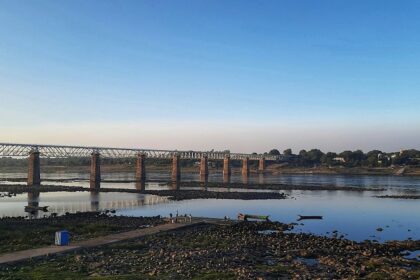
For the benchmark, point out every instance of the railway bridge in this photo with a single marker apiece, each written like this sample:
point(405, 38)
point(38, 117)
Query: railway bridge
point(35, 151)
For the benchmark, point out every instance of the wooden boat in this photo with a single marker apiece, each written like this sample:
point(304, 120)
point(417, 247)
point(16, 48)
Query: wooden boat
point(302, 217)
point(245, 217)
point(32, 209)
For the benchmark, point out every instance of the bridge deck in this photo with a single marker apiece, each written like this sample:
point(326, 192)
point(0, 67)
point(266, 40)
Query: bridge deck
point(62, 151)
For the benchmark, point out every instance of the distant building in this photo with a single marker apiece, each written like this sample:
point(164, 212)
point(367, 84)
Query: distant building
point(339, 159)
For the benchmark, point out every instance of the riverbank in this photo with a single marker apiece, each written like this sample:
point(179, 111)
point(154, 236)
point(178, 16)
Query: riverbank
point(20, 234)
point(245, 250)
point(278, 169)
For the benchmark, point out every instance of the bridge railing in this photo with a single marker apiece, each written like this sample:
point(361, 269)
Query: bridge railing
point(63, 151)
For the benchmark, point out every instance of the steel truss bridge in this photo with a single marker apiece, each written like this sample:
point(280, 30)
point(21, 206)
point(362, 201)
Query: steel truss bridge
point(63, 151)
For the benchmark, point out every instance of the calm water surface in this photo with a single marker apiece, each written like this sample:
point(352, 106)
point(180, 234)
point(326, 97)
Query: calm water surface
point(356, 215)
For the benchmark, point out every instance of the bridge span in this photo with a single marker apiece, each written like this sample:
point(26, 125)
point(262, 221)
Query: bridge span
point(35, 151)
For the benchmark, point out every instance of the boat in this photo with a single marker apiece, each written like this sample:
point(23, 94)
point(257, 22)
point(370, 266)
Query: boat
point(245, 217)
point(31, 209)
point(302, 217)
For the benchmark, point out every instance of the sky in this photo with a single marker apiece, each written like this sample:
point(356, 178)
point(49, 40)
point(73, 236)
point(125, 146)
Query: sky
point(245, 76)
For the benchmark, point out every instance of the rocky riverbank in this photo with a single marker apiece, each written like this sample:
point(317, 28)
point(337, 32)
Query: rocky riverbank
point(240, 251)
point(20, 234)
point(199, 194)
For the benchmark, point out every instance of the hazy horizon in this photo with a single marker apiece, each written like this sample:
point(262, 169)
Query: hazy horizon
point(186, 75)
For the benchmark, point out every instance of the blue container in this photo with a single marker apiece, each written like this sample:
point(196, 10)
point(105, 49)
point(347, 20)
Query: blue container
point(62, 238)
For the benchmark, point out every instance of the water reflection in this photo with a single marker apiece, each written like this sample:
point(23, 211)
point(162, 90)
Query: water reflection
point(175, 185)
point(141, 185)
point(261, 178)
point(245, 178)
point(33, 204)
point(94, 200)
point(226, 178)
point(204, 178)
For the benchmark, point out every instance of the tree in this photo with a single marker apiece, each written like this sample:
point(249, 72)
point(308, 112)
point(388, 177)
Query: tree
point(328, 158)
point(372, 158)
point(288, 152)
point(353, 159)
point(274, 152)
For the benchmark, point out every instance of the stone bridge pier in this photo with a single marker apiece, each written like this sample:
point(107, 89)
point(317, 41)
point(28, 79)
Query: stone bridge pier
point(261, 165)
point(245, 167)
point(204, 169)
point(34, 169)
point(141, 168)
point(176, 170)
point(226, 169)
point(95, 171)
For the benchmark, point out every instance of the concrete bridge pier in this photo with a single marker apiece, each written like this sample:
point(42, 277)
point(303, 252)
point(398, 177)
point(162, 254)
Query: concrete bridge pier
point(176, 170)
point(245, 167)
point(95, 170)
point(204, 169)
point(141, 168)
point(261, 165)
point(34, 169)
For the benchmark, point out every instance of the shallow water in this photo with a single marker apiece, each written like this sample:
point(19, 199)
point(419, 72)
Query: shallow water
point(398, 182)
point(356, 215)
point(412, 255)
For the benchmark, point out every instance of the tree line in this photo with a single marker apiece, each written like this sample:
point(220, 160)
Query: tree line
point(358, 158)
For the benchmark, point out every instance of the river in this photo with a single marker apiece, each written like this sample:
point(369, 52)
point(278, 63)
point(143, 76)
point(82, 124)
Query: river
point(355, 215)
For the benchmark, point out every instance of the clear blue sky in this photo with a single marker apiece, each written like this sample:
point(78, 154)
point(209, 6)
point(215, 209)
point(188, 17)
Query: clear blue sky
point(239, 75)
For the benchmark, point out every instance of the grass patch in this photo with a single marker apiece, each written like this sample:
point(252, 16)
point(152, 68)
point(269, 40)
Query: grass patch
point(214, 275)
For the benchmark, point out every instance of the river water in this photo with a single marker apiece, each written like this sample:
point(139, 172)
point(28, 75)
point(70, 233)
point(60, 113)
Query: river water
point(356, 215)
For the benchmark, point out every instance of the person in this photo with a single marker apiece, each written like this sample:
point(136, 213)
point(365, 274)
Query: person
point(170, 218)
point(190, 218)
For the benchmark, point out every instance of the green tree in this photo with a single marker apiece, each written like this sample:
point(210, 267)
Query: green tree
point(274, 152)
point(288, 152)
point(328, 158)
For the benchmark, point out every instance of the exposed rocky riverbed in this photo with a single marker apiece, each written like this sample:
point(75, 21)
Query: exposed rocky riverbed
point(244, 250)
point(20, 234)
